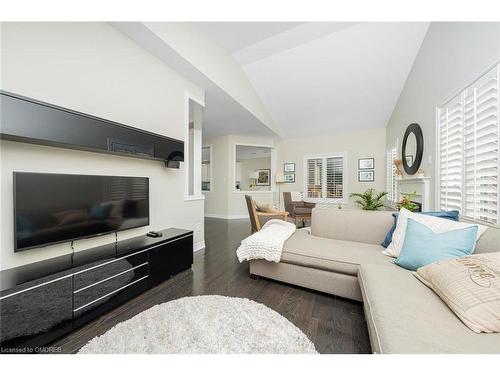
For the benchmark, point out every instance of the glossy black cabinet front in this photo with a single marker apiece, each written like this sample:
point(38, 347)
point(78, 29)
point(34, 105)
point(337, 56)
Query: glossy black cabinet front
point(28, 120)
point(169, 259)
point(38, 311)
point(100, 283)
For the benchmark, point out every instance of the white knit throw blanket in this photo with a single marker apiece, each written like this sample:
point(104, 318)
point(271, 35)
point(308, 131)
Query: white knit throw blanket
point(267, 243)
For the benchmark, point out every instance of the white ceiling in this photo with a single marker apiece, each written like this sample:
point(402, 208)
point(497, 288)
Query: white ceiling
point(290, 38)
point(322, 78)
point(234, 36)
point(314, 78)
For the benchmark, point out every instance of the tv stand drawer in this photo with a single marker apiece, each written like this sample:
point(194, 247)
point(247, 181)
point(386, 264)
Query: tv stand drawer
point(104, 269)
point(97, 294)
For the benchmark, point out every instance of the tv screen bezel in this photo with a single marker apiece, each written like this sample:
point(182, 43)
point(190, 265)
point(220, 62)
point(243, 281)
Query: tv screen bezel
point(18, 249)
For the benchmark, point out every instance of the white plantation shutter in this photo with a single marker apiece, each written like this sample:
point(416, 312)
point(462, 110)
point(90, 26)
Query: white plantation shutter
point(391, 175)
point(335, 177)
point(451, 154)
point(314, 178)
point(468, 149)
point(325, 177)
point(481, 149)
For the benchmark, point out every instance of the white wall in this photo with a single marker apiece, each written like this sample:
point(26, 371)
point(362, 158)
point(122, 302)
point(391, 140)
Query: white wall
point(452, 54)
point(216, 199)
point(356, 145)
point(215, 63)
point(92, 68)
point(224, 201)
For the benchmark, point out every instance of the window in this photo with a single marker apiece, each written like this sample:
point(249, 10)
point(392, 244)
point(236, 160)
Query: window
point(391, 175)
point(468, 129)
point(206, 168)
point(324, 178)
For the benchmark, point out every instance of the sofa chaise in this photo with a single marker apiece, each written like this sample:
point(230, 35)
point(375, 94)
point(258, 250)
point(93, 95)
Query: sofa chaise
point(342, 255)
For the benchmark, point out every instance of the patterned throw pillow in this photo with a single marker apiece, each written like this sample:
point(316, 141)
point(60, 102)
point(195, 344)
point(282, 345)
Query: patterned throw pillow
point(470, 286)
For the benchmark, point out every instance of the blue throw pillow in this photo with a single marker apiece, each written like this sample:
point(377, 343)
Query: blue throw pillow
point(422, 246)
point(450, 215)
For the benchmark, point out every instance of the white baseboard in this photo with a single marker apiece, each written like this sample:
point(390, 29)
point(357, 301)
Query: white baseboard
point(231, 217)
point(198, 246)
point(226, 217)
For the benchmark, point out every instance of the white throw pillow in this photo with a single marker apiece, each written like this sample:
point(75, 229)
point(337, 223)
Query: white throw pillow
point(436, 224)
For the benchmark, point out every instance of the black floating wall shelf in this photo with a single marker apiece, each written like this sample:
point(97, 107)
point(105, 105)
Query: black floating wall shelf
point(28, 120)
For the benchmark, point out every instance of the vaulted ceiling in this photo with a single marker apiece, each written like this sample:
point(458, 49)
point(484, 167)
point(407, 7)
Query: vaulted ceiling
point(322, 78)
point(288, 79)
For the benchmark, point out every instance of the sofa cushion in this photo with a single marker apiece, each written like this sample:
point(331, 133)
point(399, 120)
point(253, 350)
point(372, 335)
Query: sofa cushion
point(331, 255)
point(405, 316)
point(489, 242)
point(351, 225)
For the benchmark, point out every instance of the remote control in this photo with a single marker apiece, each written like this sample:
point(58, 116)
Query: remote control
point(154, 234)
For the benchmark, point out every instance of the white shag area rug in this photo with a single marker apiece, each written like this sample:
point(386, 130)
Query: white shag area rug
point(204, 324)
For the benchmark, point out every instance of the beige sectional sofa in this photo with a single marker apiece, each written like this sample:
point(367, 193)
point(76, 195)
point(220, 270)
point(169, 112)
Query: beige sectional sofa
point(342, 256)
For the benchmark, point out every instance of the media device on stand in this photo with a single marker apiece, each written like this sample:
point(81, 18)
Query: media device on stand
point(154, 234)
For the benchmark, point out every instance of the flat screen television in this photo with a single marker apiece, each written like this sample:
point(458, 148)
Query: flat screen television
point(54, 208)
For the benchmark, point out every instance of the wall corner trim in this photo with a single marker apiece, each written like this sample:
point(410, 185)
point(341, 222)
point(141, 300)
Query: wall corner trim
point(198, 246)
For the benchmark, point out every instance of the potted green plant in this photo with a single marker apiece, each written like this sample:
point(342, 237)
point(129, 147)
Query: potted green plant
point(370, 200)
point(407, 202)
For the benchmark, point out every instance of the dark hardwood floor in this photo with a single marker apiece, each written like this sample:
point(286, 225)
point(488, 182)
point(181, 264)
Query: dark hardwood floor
point(334, 324)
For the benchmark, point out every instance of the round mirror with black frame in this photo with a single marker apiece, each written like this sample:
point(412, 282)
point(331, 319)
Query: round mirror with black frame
point(413, 148)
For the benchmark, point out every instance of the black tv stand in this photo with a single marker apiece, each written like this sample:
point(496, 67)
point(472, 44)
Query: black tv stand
point(43, 301)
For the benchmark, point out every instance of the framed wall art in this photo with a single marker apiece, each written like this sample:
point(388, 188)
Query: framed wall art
point(289, 178)
point(366, 176)
point(264, 178)
point(368, 163)
point(289, 167)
